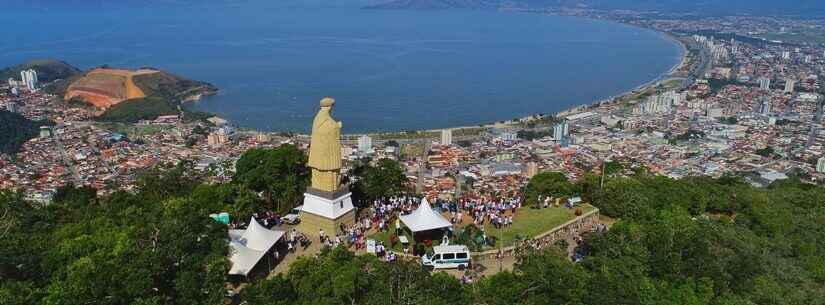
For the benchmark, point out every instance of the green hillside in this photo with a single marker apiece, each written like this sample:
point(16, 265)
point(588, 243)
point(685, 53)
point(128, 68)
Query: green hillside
point(170, 87)
point(134, 110)
point(15, 130)
point(47, 70)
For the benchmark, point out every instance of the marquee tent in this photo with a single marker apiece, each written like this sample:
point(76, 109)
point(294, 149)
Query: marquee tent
point(424, 219)
point(247, 247)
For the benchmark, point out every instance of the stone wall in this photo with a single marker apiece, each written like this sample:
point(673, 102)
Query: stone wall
point(584, 223)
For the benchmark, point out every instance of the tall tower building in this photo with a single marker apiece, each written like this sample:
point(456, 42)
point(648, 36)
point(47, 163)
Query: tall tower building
point(447, 137)
point(764, 83)
point(11, 107)
point(29, 79)
point(531, 170)
point(765, 105)
point(364, 143)
point(561, 131)
point(820, 165)
point(789, 85)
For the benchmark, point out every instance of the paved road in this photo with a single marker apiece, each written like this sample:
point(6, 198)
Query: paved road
point(65, 156)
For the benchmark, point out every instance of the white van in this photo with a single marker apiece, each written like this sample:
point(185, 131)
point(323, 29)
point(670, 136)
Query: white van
point(446, 257)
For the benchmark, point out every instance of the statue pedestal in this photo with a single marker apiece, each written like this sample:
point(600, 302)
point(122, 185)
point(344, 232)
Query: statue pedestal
point(324, 210)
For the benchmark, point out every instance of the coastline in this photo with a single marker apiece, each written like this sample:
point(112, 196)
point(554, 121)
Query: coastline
point(664, 76)
point(574, 109)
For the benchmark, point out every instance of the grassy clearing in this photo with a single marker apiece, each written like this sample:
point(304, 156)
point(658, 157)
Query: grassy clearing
point(527, 223)
point(532, 222)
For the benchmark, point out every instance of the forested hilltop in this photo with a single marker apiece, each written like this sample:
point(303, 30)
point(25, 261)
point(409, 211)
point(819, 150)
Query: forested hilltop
point(48, 70)
point(15, 130)
point(691, 241)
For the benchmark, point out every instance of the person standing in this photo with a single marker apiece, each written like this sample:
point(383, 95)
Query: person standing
point(322, 235)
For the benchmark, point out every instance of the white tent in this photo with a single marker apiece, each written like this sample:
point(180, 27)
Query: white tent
point(247, 247)
point(424, 219)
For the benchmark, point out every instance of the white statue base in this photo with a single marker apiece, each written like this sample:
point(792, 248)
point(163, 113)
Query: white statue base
point(326, 211)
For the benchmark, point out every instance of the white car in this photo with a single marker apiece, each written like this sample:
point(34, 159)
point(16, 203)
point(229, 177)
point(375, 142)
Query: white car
point(293, 217)
point(446, 257)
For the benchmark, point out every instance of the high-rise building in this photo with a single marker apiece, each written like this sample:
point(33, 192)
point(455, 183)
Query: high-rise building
point(29, 79)
point(509, 136)
point(765, 105)
point(660, 103)
point(560, 131)
point(262, 138)
point(364, 143)
point(808, 59)
point(820, 165)
point(447, 137)
point(789, 85)
point(531, 169)
point(764, 83)
point(786, 55)
point(11, 107)
point(216, 139)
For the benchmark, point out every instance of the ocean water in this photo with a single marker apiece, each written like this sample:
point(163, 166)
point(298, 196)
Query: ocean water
point(388, 70)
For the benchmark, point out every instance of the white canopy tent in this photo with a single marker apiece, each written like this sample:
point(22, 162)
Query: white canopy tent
point(424, 219)
point(247, 247)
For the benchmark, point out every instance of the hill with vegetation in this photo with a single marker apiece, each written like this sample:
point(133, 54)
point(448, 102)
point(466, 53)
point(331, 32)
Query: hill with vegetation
point(696, 241)
point(48, 70)
point(15, 130)
point(134, 110)
point(131, 95)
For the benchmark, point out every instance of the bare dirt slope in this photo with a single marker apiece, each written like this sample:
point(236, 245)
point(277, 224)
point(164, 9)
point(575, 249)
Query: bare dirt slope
point(105, 87)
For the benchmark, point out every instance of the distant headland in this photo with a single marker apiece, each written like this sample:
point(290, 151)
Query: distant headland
point(121, 95)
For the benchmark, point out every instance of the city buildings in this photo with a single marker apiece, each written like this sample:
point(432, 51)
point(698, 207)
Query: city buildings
point(820, 165)
point(447, 137)
point(789, 85)
point(29, 79)
point(531, 169)
point(764, 83)
point(216, 139)
point(765, 105)
point(11, 107)
point(659, 103)
point(561, 131)
point(364, 144)
point(45, 132)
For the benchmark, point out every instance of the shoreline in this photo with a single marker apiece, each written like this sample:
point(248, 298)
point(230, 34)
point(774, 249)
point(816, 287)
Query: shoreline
point(667, 75)
point(573, 109)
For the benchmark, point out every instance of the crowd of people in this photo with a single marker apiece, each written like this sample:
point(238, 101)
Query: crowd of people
point(267, 219)
point(499, 213)
point(483, 211)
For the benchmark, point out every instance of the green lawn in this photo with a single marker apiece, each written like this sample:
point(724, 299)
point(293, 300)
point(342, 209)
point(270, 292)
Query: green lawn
point(528, 223)
point(531, 222)
point(384, 237)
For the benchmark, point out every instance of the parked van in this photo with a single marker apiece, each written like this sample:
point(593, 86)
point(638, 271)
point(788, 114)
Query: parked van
point(446, 257)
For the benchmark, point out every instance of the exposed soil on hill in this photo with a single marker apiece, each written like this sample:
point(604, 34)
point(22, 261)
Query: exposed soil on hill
point(107, 87)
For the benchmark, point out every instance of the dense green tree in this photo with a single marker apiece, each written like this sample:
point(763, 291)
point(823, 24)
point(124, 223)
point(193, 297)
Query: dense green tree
point(16, 130)
point(692, 241)
point(385, 179)
point(547, 184)
point(280, 174)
